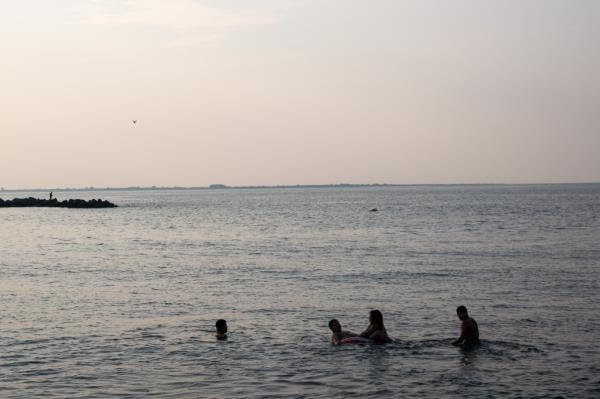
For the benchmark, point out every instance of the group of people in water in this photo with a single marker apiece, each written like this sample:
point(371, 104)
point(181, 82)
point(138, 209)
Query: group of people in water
point(376, 332)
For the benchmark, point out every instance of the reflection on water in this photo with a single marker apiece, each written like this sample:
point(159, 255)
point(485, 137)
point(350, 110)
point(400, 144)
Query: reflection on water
point(122, 302)
point(468, 357)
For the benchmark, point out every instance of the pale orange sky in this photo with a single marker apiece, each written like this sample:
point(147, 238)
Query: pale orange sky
point(298, 92)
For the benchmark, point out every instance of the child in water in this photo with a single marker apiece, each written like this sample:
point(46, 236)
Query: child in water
point(337, 334)
point(221, 326)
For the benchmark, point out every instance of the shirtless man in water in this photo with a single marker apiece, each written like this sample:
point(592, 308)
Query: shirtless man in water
point(469, 332)
point(337, 334)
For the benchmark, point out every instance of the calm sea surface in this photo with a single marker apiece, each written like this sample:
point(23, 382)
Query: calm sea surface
point(122, 302)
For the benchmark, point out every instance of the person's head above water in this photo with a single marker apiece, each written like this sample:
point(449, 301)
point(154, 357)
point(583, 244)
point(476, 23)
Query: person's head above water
point(221, 326)
point(462, 312)
point(335, 326)
point(376, 319)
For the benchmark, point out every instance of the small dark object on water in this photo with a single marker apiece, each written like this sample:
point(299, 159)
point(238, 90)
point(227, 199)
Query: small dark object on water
point(221, 326)
point(374, 210)
point(53, 203)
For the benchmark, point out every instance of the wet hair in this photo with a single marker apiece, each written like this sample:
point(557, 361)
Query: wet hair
point(221, 326)
point(332, 321)
point(377, 319)
point(461, 309)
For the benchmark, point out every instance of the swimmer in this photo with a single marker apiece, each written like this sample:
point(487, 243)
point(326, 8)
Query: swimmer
point(221, 329)
point(337, 334)
point(469, 332)
point(376, 330)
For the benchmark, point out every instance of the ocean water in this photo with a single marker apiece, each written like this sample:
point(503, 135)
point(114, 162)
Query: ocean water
point(122, 302)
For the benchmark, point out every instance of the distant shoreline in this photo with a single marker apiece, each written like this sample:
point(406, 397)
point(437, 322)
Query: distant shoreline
point(299, 186)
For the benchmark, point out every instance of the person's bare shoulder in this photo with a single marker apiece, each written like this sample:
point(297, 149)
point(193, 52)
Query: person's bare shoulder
point(471, 323)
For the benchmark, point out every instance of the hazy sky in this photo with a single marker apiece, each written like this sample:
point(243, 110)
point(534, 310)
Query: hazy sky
point(247, 92)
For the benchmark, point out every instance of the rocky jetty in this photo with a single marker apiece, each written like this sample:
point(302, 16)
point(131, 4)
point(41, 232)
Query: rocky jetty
point(54, 203)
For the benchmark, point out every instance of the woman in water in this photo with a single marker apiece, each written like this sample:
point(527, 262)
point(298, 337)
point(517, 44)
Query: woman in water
point(376, 330)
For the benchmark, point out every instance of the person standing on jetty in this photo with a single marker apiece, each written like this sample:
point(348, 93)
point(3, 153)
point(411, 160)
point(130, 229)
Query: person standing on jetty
point(469, 332)
point(50, 195)
point(376, 330)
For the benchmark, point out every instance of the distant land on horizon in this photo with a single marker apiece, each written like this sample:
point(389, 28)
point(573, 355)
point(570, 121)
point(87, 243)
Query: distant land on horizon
point(283, 186)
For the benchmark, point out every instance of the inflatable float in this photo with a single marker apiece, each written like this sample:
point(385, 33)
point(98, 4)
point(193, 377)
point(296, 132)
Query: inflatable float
point(354, 340)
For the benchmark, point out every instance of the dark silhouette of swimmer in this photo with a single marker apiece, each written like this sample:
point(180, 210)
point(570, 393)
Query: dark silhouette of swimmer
point(221, 329)
point(469, 332)
point(376, 330)
point(337, 334)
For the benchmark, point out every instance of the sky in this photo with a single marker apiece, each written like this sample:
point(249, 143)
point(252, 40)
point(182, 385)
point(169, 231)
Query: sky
point(269, 92)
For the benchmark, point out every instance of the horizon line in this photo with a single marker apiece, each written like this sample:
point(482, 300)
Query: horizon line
point(281, 186)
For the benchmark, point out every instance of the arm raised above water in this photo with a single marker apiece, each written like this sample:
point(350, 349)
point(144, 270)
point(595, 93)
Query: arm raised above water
point(367, 333)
